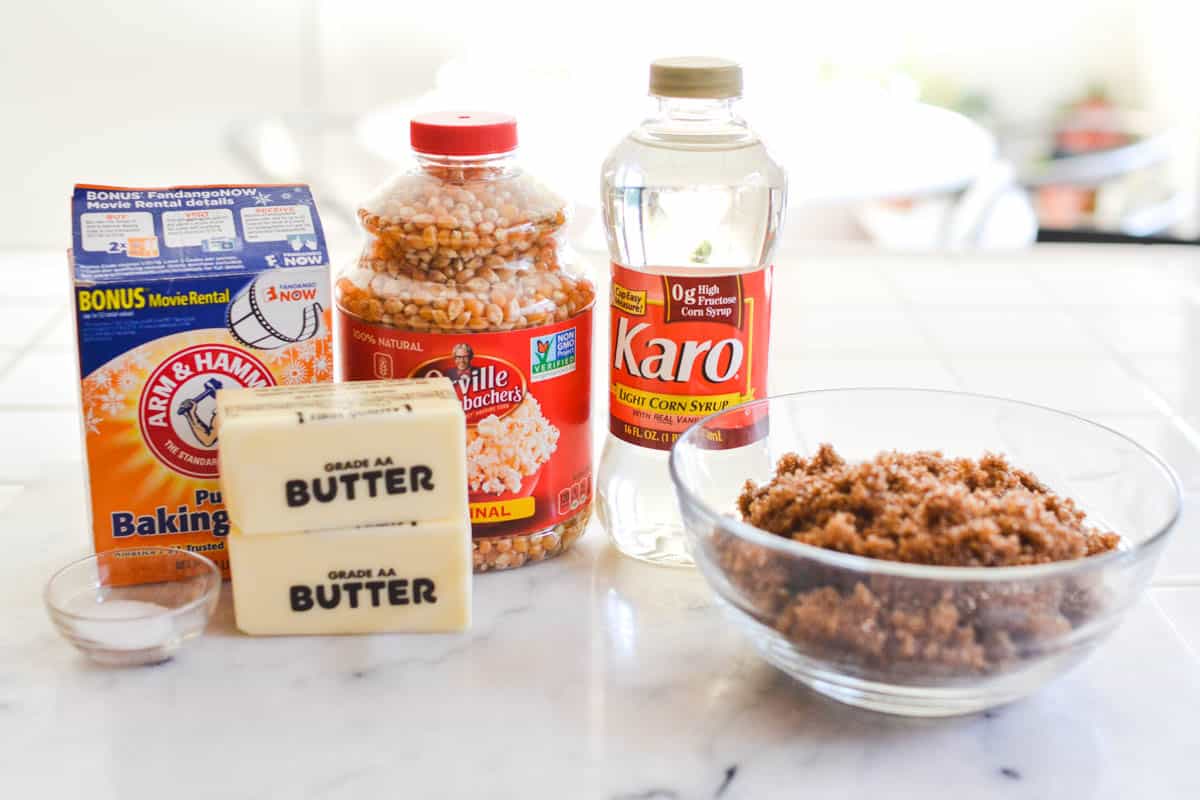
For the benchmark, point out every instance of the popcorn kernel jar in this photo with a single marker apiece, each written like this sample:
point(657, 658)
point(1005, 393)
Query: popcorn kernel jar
point(463, 274)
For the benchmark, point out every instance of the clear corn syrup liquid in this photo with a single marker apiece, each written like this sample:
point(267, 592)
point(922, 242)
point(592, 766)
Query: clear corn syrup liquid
point(690, 191)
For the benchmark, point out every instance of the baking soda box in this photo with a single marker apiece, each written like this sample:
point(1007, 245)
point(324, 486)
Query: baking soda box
point(181, 293)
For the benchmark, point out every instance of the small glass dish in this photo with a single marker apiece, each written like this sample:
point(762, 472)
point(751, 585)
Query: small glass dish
point(130, 607)
point(908, 638)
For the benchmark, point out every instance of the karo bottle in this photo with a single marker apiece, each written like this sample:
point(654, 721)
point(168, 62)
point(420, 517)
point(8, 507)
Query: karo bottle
point(692, 208)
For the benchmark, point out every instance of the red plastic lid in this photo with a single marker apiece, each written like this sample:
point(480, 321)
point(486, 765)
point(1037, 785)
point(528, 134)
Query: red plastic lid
point(463, 133)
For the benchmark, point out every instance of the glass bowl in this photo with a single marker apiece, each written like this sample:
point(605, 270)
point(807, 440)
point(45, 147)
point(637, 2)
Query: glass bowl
point(137, 606)
point(906, 638)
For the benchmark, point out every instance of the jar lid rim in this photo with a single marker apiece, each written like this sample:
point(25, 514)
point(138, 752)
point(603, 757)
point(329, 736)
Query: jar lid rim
point(463, 133)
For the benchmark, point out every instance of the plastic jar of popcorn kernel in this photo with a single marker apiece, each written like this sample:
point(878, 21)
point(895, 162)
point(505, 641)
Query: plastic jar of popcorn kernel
point(464, 275)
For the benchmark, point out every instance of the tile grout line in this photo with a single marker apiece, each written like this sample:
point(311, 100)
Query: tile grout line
point(29, 346)
point(1179, 637)
point(1160, 403)
point(1180, 425)
point(935, 348)
point(1178, 582)
point(10, 359)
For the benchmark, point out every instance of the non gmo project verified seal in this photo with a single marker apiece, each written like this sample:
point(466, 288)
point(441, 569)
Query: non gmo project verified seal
point(552, 355)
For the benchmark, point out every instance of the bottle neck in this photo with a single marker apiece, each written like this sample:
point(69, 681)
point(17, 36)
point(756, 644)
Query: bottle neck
point(466, 168)
point(695, 109)
point(696, 124)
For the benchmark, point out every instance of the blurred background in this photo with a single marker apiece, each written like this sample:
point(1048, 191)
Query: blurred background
point(912, 126)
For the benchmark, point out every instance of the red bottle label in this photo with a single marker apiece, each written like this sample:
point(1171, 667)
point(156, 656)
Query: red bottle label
point(685, 346)
point(526, 394)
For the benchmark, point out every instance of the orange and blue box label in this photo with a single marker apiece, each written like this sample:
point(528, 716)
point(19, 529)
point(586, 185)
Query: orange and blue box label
point(180, 292)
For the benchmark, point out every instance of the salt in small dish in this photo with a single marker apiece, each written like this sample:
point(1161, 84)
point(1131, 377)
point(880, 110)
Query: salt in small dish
point(133, 607)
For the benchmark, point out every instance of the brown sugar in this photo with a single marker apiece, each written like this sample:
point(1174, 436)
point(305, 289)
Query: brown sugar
point(919, 508)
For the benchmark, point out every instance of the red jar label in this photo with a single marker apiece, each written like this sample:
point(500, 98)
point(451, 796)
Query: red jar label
point(685, 346)
point(526, 394)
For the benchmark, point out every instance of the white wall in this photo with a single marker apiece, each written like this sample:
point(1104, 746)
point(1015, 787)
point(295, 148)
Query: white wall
point(144, 91)
point(136, 92)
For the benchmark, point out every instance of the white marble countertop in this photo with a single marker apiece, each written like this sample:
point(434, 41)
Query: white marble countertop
point(597, 677)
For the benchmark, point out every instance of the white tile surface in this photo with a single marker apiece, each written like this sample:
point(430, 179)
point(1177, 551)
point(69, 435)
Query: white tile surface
point(36, 274)
point(1180, 561)
point(23, 325)
point(861, 331)
point(798, 374)
point(1009, 332)
point(8, 494)
point(1175, 378)
point(60, 336)
point(945, 283)
point(634, 687)
point(1166, 437)
point(34, 440)
point(1181, 606)
point(44, 378)
point(814, 280)
point(1087, 386)
point(603, 678)
point(1142, 331)
point(1119, 277)
point(7, 359)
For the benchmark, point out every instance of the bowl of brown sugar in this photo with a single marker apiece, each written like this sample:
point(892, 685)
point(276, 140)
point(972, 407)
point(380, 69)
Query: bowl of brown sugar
point(920, 552)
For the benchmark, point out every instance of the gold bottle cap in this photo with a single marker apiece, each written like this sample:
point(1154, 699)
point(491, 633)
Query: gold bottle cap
point(695, 76)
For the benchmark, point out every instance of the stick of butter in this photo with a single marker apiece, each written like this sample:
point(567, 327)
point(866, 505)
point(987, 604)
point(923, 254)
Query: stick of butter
point(412, 577)
point(297, 458)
